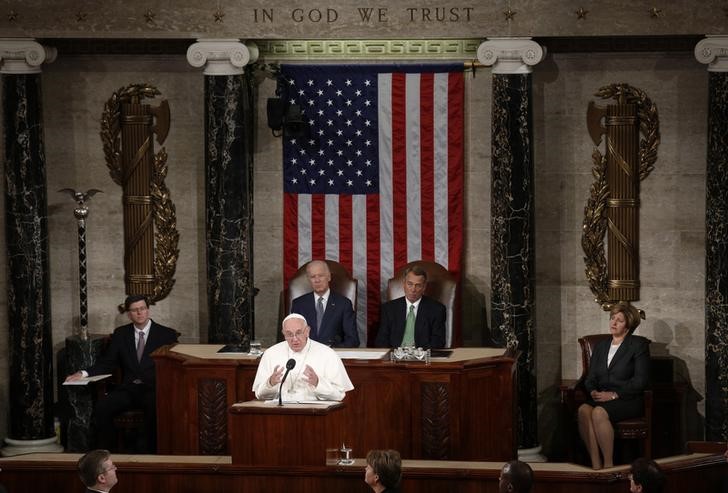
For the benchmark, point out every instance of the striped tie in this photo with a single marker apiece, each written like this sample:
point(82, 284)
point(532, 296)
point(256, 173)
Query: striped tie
point(409, 328)
point(140, 346)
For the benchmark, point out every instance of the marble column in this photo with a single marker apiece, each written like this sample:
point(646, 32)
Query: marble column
point(26, 235)
point(512, 224)
point(714, 51)
point(229, 114)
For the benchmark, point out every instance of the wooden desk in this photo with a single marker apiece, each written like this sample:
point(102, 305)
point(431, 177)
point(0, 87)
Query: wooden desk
point(459, 408)
point(264, 434)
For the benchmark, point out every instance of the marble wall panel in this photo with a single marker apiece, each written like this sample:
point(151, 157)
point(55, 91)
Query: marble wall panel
point(4, 330)
point(76, 90)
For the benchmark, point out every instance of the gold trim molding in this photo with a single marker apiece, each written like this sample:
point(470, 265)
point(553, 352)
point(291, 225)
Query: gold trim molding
point(370, 49)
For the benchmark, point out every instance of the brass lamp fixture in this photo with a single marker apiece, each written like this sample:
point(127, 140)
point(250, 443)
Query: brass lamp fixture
point(632, 130)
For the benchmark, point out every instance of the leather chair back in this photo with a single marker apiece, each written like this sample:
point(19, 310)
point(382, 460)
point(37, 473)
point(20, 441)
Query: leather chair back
point(341, 282)
point(588, 343)
point(441, 286)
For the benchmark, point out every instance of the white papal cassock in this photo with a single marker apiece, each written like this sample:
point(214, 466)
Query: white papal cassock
point(333, 380)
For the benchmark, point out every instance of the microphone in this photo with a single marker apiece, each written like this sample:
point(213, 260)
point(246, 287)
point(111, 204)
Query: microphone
point(290, 364)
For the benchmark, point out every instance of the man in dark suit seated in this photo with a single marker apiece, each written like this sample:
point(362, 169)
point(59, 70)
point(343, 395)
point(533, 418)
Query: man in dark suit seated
point(129, 350)
point(414, 319)
point(330, 315)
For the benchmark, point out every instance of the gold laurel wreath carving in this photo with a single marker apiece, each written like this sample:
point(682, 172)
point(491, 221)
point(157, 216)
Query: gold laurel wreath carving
point(595, 212)
point(166, 236)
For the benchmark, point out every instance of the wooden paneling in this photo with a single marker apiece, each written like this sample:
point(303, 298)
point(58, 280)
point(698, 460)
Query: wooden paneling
point(37, 473)
point(458, 409)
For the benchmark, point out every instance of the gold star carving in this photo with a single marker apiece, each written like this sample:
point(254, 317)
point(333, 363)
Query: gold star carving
point(509, 14)
point(655, 12)
point(81, 16)
point(149, 16)
point(581, 13)
point(12, 15)
point(219, 15)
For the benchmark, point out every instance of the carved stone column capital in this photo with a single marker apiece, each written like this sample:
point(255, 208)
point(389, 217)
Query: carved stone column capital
point(24, 55)
point(511, 55)
point(713, 50)
point(222, 56)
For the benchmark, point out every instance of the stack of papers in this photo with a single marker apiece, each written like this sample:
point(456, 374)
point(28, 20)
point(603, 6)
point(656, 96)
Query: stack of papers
point(86, 380)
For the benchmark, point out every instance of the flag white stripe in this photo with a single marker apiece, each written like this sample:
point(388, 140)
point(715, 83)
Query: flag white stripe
point(413, 136)
point(386, 221)
point(440, 93)
point(305, 248)
point(331, 213)
point(359, 262)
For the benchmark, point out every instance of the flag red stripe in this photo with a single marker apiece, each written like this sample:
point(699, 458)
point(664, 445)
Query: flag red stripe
point(455, 160)
point(318, 226)
point(399, 169)
point(345, 232)
point(290, 236)
point(427, 162)
point(373, 280)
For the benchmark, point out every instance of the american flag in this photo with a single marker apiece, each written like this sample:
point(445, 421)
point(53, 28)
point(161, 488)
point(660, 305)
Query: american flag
point(378, 182)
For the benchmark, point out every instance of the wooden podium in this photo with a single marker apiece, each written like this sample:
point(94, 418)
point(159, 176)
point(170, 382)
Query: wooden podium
point(459, 407)
point(264, 434)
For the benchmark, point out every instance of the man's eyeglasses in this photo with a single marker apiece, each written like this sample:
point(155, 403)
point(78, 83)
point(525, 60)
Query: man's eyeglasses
point(294, 335)
point(138, 310)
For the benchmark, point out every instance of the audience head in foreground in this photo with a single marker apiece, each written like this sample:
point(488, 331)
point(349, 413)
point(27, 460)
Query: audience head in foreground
point(316, 371)
point(645, 476)
point(97, 471)
point(383, 471)
point(515, 477)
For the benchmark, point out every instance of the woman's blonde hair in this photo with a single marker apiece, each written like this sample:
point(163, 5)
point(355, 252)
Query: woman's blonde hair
point(631, 315)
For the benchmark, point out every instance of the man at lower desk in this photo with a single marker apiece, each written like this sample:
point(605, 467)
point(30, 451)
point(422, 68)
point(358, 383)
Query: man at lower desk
point(318, 373)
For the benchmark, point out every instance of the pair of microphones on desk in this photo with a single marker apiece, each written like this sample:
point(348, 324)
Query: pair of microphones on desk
point(290, 365)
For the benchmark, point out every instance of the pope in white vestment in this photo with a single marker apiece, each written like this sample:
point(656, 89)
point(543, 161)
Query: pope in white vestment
point(319, 373)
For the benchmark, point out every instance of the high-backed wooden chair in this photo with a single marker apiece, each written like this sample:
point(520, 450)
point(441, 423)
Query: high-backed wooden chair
point(572, 396)
point(441, 286)
point(341, 282)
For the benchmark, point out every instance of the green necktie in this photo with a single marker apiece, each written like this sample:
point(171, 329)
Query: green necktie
point(409, 328)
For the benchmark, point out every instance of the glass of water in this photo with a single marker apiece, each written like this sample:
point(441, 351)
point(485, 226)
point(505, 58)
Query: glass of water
point(256, 348)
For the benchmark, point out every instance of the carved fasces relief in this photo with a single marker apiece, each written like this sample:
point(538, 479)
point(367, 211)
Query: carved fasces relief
point(631, 127)
point(150, 219)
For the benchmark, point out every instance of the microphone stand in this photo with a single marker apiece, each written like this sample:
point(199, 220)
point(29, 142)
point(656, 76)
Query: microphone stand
point(289, 366)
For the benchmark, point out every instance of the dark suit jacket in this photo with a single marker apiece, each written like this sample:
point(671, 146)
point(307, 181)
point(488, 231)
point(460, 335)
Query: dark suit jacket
point(121, 353)
point(338, 328)
point(429, 324)
point(629, 373)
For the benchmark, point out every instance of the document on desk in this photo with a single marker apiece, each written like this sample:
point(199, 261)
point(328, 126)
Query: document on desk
point(307, 402)
point(86, 380)
point(359, 354)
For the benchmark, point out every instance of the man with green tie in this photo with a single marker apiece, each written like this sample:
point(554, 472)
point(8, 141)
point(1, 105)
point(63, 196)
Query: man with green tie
point(414, 319)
